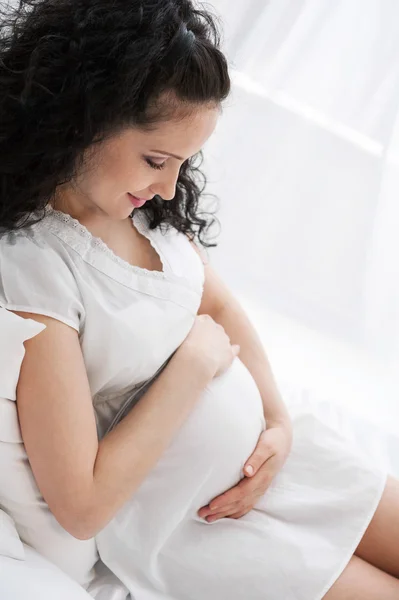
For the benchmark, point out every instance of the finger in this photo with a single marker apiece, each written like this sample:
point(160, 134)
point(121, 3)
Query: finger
point(221, 514)
point(238, 493)
point(213, 518)
point(256, 462)
point(239, 514)
point(251, 495)
point(228, 508)
point(262, 453)
point(205, 510)
point(233, 495)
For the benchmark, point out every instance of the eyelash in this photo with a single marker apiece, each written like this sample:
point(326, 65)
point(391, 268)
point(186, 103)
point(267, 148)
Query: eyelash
point(154, 165)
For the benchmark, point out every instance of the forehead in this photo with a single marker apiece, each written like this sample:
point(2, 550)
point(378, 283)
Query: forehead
point(184, 135)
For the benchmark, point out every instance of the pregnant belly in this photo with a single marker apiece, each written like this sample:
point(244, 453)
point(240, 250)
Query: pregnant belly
point(205, 459)
point(207, 455)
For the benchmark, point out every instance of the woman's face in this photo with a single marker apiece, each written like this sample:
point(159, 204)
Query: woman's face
point(137, 163)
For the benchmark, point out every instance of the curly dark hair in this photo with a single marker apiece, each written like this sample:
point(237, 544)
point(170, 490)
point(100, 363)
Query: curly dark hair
point(74, 72)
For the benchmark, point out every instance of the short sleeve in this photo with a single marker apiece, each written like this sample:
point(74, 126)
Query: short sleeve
point(14, 332)
point(35, 277)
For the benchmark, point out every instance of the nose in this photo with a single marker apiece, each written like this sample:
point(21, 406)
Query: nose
point(165, 187)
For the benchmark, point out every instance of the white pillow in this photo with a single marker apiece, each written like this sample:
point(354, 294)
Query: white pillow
point(19, 494)
point(36, 579)
point(10, 544)
point(13, 332)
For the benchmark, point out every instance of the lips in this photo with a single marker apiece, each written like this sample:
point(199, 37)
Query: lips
point(139, 198)
point(137, 202)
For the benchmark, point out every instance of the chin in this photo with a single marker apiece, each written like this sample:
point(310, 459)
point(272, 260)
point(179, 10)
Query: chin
point(120, 213)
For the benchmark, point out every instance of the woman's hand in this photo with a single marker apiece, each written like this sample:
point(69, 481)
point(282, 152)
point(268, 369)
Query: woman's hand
point(270, 454)
point(210, 344)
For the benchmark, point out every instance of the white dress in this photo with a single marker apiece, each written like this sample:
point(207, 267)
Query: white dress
point(301, 534)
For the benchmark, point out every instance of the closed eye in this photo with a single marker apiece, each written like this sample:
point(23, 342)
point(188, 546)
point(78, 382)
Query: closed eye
point(155, 165)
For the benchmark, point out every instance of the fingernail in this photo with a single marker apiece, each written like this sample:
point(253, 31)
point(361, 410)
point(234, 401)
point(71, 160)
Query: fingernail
point(249, 469)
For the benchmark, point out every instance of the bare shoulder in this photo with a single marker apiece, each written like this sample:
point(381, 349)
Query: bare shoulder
point(216, 293)
point(199, 251)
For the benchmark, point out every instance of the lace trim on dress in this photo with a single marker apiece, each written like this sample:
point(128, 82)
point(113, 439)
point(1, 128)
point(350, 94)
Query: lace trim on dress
point(90, 241)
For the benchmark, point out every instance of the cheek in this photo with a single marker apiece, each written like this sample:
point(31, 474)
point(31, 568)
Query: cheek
point(119, 171)
point(132, 175)
point(118, 179)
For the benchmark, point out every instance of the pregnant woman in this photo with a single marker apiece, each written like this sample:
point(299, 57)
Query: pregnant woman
point(204, 488)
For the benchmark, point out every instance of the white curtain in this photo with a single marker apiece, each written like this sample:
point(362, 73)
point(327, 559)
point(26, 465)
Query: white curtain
point(305, 161)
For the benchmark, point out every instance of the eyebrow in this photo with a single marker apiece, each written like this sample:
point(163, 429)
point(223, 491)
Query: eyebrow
point(168, 154)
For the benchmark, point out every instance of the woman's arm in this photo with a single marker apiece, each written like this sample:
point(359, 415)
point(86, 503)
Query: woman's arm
point(241, 331)
point(85, 482)
point(219, 302)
